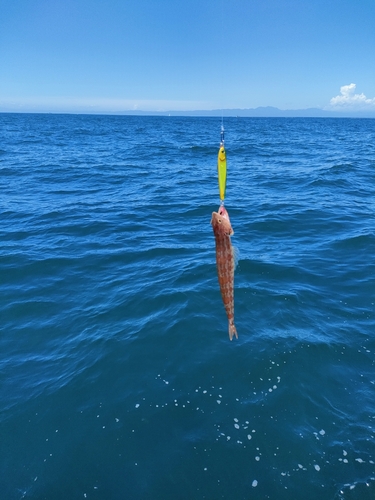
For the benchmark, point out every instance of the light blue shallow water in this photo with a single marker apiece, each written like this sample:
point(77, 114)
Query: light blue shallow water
point(117, 377)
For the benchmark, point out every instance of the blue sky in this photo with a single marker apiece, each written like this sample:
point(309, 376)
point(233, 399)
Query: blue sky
point(118, 55)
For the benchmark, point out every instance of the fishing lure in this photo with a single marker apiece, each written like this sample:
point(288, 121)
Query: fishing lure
point(222, 167)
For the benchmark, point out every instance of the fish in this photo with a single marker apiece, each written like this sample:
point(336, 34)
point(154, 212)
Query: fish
point(225, 262)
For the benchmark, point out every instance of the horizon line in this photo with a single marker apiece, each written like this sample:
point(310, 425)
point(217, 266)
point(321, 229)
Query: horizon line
point(259, 112)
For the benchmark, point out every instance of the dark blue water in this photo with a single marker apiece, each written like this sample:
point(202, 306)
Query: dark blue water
point(117, 377)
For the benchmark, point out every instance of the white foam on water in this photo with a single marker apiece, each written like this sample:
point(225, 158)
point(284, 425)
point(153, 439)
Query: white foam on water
point(245, 433)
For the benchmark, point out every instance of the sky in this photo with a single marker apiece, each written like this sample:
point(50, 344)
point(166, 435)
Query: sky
point(110, 56)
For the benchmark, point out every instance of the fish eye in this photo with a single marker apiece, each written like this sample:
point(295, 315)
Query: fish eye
point(219, 221)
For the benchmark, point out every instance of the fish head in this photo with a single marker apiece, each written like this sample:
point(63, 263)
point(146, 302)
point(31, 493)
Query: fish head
point(223, 212)
point(221, 223)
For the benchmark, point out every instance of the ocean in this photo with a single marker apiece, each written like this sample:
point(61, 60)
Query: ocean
point(117, 376)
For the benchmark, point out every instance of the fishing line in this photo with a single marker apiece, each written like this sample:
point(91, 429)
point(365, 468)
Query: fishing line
point(221, 160)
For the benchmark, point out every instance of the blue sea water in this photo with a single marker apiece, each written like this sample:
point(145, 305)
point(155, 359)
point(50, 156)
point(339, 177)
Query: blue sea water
point(117, 376)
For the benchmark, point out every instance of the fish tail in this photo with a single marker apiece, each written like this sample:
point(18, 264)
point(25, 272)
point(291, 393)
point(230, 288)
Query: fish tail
point(232, 330)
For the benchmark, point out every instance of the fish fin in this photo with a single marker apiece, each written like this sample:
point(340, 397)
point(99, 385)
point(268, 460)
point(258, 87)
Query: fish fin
point(236, 256)
point(232, 330)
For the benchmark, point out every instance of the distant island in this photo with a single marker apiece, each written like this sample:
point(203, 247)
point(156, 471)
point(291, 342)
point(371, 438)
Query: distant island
point(261, 112)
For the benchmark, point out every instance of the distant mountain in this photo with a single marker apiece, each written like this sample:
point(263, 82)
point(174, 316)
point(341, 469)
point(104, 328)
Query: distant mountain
point(263, 111)
point(260, 112)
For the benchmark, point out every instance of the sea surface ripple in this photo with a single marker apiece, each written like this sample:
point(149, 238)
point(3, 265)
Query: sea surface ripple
point(117, 376)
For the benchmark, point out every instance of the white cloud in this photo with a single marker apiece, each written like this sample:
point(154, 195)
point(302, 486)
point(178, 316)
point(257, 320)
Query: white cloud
point(349, 99)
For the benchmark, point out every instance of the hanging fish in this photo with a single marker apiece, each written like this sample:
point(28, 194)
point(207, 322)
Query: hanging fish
point(222, 171)
point(225, 261)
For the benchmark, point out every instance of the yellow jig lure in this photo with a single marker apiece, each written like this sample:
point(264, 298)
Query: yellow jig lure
point(222, 167)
